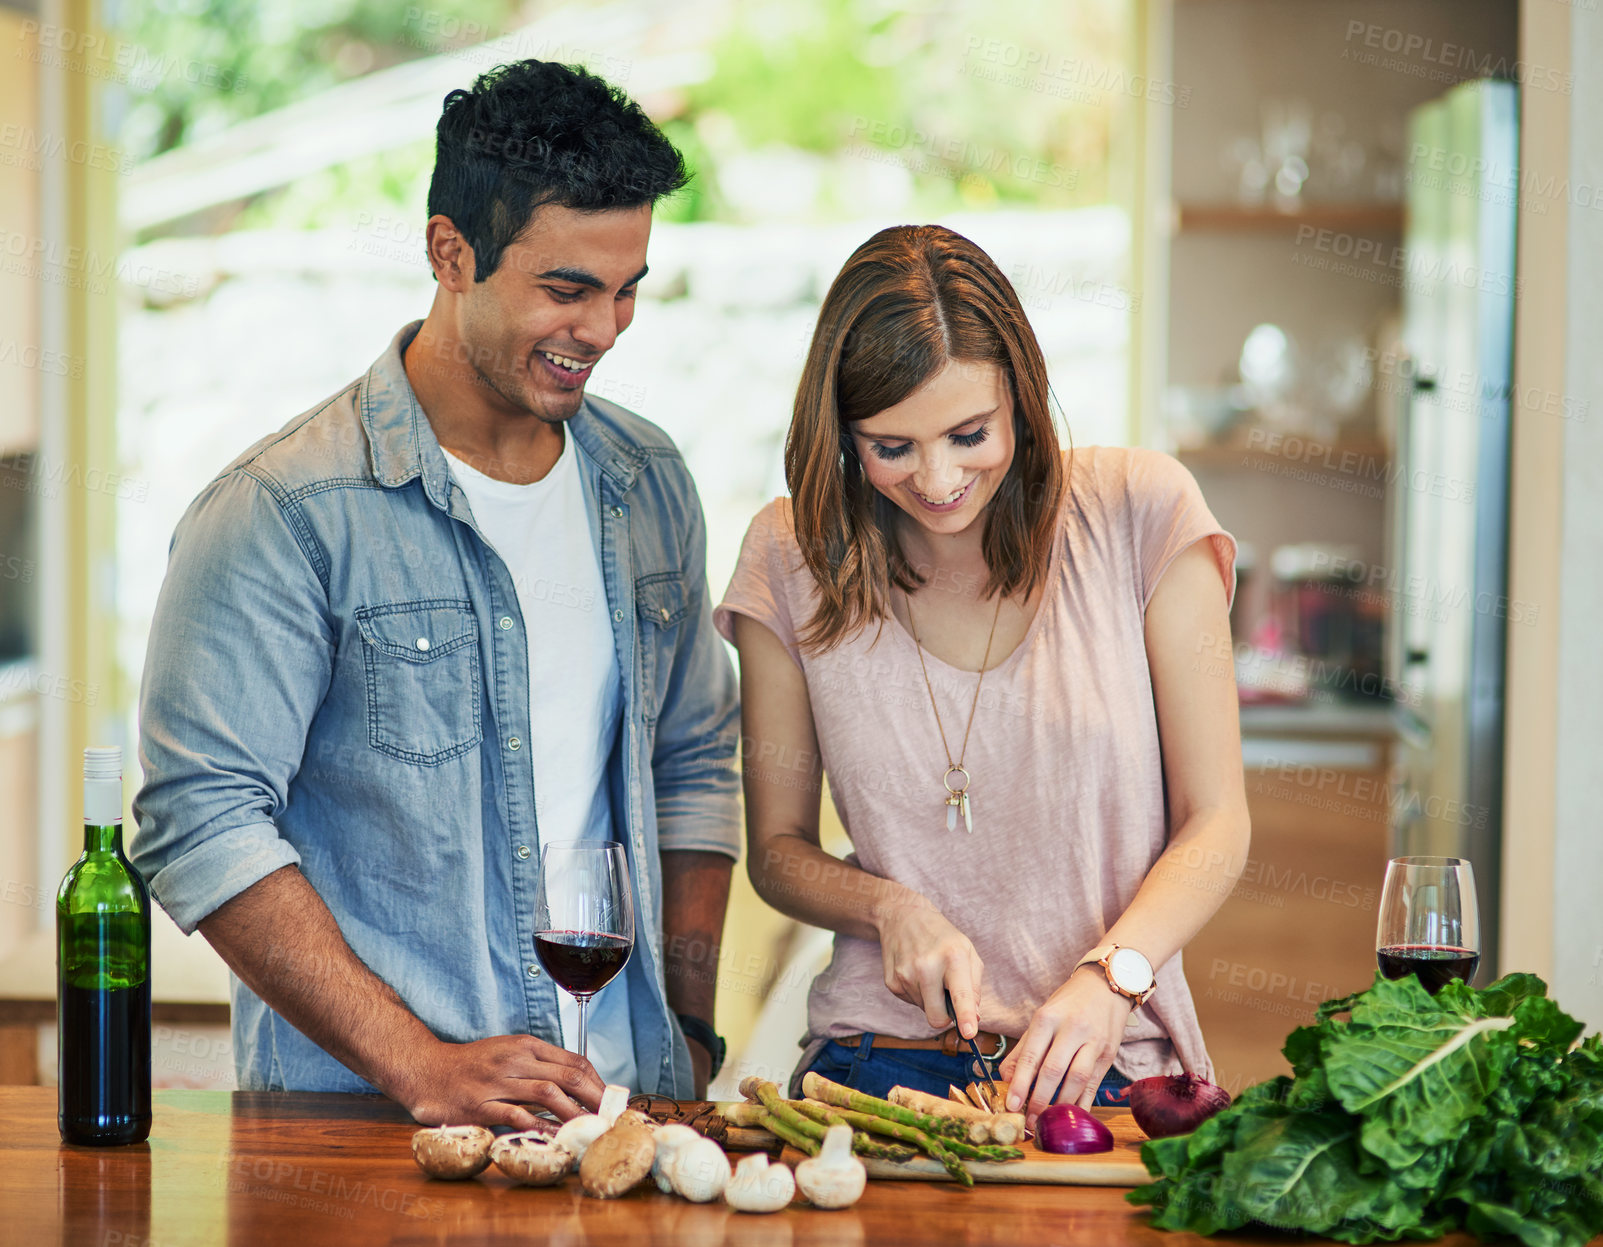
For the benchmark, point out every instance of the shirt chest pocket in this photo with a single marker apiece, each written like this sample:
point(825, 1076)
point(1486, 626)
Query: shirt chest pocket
point(422, 665)
point(660, 603)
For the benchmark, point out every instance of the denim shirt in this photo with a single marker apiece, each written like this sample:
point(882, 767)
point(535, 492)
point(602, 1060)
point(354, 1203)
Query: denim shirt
point(338, 679)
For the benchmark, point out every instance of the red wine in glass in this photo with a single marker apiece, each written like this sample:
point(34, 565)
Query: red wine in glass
point(582, 962)
point(584, 924)
point(1435, 966)
point(1429, 924)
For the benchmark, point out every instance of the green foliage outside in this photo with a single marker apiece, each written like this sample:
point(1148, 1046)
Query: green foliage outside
point(979, 103)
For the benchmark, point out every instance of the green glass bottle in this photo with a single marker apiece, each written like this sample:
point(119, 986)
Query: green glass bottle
point(103, 975)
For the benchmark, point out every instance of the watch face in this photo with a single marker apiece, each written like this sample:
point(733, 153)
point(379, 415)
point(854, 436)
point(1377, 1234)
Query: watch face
point(1130, 970)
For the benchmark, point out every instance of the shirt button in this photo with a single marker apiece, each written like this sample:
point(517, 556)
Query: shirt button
point(618, 615)
point(534, 972)
point(506, 623)
point(422, 642)
point(617, 513)
point(523, 852)
point(514, 743)
point(665, 612)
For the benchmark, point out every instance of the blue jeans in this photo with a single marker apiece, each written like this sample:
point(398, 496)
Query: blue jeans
point(875, 1071)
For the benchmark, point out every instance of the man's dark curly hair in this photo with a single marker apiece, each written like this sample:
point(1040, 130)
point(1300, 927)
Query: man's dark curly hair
point(534, 133)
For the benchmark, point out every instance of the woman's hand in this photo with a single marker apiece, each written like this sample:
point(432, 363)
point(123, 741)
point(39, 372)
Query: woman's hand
point(925, 956)
point(1069, 1045)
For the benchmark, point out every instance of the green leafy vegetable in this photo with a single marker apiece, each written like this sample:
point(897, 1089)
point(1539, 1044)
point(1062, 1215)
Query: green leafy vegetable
point(1407, 1116)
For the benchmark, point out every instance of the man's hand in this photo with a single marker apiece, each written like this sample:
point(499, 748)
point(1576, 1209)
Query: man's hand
point(495, 1082)
point(283, 942)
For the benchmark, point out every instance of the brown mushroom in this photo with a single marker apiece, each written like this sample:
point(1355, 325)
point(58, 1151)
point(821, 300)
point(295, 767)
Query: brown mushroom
point(452, 1152)
point(531, 1157)
point(619, 1160)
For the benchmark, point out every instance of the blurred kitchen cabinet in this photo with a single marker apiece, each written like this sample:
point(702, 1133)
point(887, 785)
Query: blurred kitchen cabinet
point(1287, 170)
point(21, 906)
point(1300, 926)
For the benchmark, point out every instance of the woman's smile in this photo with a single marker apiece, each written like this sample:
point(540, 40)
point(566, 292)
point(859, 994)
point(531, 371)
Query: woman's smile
point(949, 503)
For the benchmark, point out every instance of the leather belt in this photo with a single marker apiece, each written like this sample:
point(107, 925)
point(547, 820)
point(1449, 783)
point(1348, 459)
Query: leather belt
point(948, 1042)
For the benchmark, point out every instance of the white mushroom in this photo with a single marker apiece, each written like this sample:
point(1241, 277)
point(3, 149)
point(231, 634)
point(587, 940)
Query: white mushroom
point(531, 1157)
point(700, 1170)
point(670, 1139)
point(452, 1152)
point(758, 1186)
point(834, 1178)
point(578, 1133)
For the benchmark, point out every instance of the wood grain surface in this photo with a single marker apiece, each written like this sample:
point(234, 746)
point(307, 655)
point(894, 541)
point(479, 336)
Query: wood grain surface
point(309, 1170)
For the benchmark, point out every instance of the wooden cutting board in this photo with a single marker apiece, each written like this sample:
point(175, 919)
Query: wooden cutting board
point(1120, 1167)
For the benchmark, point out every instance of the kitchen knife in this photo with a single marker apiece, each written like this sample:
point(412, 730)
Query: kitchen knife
point(982, 1063)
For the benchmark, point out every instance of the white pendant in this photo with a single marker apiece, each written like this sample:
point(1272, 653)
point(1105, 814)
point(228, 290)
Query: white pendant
point(959, 801)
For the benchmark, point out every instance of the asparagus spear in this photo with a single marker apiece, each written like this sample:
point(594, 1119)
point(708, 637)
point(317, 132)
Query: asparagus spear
point(755, 1117)
point(741, 1114)
point(966, 1151)
point(865, 1144)
point(936, 1149)
point(783, 1130)
point(775, 1105)
point(817, 1087)
point(768, 1096)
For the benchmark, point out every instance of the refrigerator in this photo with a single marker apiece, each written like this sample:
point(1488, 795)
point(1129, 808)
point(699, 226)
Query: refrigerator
point(1448, 500)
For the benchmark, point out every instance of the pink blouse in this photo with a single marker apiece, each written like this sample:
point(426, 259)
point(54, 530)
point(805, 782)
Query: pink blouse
point(1067, 779)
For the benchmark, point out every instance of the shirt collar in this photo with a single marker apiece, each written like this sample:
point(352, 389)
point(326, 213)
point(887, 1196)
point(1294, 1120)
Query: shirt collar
point(402, 445)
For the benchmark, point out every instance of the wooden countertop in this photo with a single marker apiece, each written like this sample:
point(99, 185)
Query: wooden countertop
point(307, 1170)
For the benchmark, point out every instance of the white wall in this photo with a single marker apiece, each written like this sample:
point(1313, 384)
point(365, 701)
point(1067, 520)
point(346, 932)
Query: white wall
point(1553, 851)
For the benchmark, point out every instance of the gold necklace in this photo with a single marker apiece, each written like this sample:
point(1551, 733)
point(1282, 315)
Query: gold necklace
point(956, 798)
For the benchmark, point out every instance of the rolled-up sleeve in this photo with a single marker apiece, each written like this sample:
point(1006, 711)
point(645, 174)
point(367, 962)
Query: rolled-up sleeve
point(240, 656)
point(693, 772)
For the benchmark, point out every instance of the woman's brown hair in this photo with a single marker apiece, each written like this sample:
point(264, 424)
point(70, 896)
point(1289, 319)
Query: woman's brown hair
point(909, 301)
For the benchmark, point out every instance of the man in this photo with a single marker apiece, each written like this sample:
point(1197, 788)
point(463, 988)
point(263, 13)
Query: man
point(454, 614)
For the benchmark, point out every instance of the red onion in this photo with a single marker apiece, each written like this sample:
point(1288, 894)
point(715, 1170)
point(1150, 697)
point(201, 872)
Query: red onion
point(1069, 1129)
point(1174, 1103)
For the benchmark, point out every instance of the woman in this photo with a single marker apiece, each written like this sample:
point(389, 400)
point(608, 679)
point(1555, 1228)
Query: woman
point(1004, 658)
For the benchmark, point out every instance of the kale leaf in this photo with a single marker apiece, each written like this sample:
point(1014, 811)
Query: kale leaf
point(1407, 1116)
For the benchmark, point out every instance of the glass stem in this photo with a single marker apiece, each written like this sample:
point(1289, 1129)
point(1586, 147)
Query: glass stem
point(584, 1025)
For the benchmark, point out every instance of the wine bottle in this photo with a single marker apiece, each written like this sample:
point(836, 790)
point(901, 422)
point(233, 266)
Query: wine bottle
point(103, 975)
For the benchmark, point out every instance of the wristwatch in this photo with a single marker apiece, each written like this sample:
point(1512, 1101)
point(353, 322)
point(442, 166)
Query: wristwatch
point(702, 1032)
point(1129, 972)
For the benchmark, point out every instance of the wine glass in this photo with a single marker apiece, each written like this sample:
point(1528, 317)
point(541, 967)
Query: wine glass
point(584, 921)
point(1429, 924)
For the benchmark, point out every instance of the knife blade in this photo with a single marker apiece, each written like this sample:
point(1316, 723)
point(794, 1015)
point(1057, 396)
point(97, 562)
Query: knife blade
point(982, 1063)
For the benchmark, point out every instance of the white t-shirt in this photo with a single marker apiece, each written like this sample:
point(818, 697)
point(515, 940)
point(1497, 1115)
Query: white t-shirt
point(542, 533)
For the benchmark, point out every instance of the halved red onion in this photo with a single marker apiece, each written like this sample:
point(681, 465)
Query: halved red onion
point(1070, 1130)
